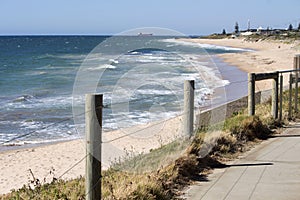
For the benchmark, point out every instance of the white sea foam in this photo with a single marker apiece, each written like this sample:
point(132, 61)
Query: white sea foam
point(161, 102)
point(155, 92)
point(38, 141)
point(114, 61)
point(206, 46)
point(69, 56)
point(28, 101)
point(100, 67)
point(134, 52)
point(37, 73)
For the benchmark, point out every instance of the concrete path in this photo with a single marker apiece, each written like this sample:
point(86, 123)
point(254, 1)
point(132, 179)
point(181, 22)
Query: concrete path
point(269, 171)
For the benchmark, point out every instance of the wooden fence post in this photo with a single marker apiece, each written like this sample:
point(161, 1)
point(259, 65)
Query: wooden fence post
point(275, 98)
point(281, 93)
point(93, 129)
point(188, 116)
point(290, 95)
point(251, 94)
point(296, 65)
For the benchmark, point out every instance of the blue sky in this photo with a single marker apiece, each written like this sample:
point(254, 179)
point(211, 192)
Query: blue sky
point(191, 17)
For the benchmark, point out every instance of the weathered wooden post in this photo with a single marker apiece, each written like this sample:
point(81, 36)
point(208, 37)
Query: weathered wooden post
point(296, 67)
point(281, 93)
point(290, 95)
point(275, 97)
point(251, 94)
point(93, 131)
point(188, 116)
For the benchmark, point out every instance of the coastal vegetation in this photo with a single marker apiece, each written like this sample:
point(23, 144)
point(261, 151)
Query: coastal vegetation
point(239, 133)
point(282, 35)
point(290, 33)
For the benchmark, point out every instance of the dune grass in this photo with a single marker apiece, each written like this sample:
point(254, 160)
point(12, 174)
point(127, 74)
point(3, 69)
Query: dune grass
point(164, 183)
point(144, 177)
point(59, 189)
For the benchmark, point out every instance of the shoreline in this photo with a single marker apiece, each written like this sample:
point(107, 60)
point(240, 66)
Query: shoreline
point(66, 159)
point(269, 56)
point(223, 68)
point(62, 155)
point(8, 148)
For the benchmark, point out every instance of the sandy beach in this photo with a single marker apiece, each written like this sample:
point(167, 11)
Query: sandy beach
point(15, 164)
point(268, 56)
point(66, 160)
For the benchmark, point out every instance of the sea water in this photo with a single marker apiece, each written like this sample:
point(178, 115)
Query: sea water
point(37, 76)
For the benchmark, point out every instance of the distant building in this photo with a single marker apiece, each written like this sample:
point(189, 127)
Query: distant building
point(247, 33)
point(259, 29)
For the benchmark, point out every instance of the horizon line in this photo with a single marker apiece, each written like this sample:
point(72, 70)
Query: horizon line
point(22, 35)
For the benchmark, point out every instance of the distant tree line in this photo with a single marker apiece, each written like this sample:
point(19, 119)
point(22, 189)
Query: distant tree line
point(290, 27)
point(236, 28)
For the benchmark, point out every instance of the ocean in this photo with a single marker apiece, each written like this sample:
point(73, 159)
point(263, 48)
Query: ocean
point(43, 80)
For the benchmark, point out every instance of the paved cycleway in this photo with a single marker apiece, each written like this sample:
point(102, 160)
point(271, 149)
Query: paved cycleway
point(271, 170)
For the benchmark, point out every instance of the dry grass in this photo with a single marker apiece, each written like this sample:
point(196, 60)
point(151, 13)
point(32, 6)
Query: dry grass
point(73, 189)
point(166, 182)
point(124, 185)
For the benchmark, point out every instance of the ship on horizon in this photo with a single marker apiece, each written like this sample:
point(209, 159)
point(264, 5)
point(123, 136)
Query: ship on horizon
point(145, 34)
